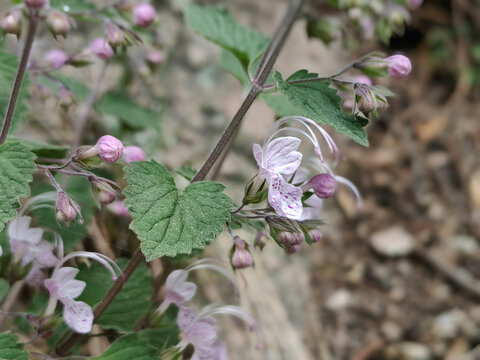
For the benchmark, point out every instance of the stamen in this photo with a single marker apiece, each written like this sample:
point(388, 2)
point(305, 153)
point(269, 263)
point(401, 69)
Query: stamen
point(352, 187)
point(33, 203)
point(208, 264)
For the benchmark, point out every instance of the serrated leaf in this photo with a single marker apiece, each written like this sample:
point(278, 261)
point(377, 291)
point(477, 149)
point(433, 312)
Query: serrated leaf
point(129, 305)
point(187, 172)
point(280, 104)
point(8, 71)
point(16, 168)
point(47, 151)
point(143, 345)
point(167, 221)
point(132, 114)
point(217, 25)
point(231, 64)
point(10, 349)
point(319, 102)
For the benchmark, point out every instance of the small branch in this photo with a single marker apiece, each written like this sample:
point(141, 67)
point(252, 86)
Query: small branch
point(302, 81)
point(17, 85)
point(137, 257)
point(266, 64)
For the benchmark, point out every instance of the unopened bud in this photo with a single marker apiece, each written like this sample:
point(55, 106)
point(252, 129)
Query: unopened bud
point(65, 211)
point(315, 235)
point(58, 23)
point(65, 98)
point(240, 256)
point(292, 249)
point(259, 240)
point(118, 208)
point(132, 154)
point(11, 22)
point(323, 185)
point(35, 4)
point(373, 66)
point(366, 99)
point(289, 239)
point(103, 191)
point(109, 148)
point(56, 58)
point(115, 36)
point(154, 57)
point(363, 79)
point(101, 48)
point(143, 15)
point(255, 190)
point(399, 66)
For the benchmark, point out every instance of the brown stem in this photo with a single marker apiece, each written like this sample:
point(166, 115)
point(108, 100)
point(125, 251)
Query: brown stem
point(17, 85)
point(137, 257)
point(266, 64)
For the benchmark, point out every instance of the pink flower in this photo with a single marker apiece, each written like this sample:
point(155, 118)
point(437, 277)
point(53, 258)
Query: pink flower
point(101, 48)
point(133, 153)
point(63, 286)
point(399, 66)
point(109, 148)
point(280, 157)
point(143, 15)
point(178, 289)
point(56, 58)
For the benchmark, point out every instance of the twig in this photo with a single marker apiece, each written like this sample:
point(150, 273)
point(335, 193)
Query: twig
point(17, 85)
point(266, 63)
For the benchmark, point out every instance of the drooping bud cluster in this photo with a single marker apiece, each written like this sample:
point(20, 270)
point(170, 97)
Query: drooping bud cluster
point(240, 256)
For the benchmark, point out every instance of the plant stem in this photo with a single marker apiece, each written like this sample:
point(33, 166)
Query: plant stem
point(137, 257)
point(302, 81)
point(262, 74)
point(17, 85)
point(266, 64)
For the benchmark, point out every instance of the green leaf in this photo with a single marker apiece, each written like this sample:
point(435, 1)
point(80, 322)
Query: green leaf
point(217, 25)
point(4, 286)
point(46, 151)
point(169, 222)
point(319, 102)
point(132, 114)
point(10, 349)
point(187, 172)
point(231, 64)
point(16, 168)
point(280, 104)
point(8, 71)
point(143, 345)
point(129, 305)
point(71, 5)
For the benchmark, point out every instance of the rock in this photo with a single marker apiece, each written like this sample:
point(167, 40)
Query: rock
point(414, 351)
point(392, 242)
point(445, 326)
point(339, 300)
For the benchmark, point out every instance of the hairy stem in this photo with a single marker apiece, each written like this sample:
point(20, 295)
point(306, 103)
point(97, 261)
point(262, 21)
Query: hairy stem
point(266, 64)
point(262, 74)
point(17, 85)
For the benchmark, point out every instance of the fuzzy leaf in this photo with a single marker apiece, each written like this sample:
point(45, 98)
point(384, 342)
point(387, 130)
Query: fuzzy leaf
point(167, 221)
point(129, 305)
point(47, 151)
point(10, 349)
point(143, 345)
point(319, 102)
point(16, 169)
point(8, 71)
point(217, 25)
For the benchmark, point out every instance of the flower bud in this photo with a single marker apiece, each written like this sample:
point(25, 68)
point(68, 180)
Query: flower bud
point(366, 99)
point(373, 66)
point(292, 249)
point(240, 256)
point(143, 15)
point(101, 48)
point(35, 4)
point(259, 240)
point(115, 36)
point(119, 209)
point(154, 57)
point(56, 58)
point(399, 66)
point(58, 23)
point(65, 98)
point(65, 211)
point(109, 148)
point(255, 190)
point(323, 185)
point(363, 79)
point(289, 239)
point(315, 235)
point(133, 153)
point(11, 22)
point(103, 191)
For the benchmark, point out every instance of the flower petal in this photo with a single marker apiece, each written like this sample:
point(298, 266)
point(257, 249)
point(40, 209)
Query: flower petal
point(78, 316)
point(281, 155)
point(258, 154)
point(71, 289)
point(285, 198)
point(64, 274)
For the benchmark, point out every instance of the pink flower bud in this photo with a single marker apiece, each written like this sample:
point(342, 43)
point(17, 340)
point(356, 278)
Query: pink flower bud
point(143, 15)
point(56, 58)
point(11, 22)
point(292, 249)
point(119, 209)
point(366, 99)
point(399, 66)
point(323, 185)
point(363, 79)
point(58, 23)
point(115, 36)
point(35, 4)
point(315, 235)
point(133, 153)
point(103, 191)
point(155, 57)
point(289, 239)
point(65, 211)
point(240, 256)
point(109, 148)
point(101, 48)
